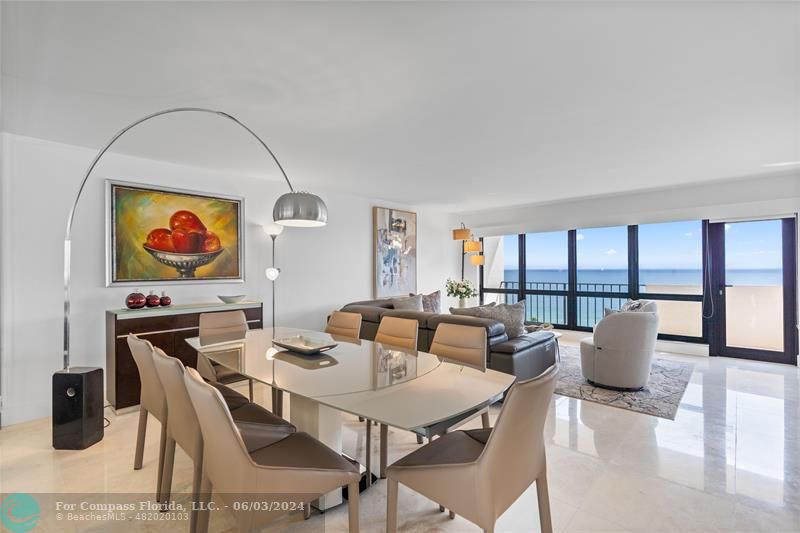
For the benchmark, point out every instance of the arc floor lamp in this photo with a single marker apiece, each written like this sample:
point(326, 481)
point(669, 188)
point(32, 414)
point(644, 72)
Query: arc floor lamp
point(295, 208)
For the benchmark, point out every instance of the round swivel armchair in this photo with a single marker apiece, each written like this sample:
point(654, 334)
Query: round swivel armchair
point(620, 353)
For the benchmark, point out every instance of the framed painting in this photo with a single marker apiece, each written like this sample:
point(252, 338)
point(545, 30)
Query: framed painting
point(162, 235)
point(395, 237)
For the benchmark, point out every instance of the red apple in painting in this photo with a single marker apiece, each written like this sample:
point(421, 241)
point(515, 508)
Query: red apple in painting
point(186, 220)
point(188, 241)
point(211, 242)
point(161, 239)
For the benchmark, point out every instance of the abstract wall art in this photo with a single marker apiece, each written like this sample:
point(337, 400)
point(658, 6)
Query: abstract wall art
point(395, 252)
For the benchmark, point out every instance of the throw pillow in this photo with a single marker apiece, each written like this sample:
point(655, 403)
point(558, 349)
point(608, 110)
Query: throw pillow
point(469, 311)
point(410, 303)
point(511, 315)
point(607, 312)
point(632, 305)
point(431, 303)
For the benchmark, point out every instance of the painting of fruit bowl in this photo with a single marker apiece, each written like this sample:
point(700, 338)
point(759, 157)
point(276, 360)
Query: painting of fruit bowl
point(172, 235)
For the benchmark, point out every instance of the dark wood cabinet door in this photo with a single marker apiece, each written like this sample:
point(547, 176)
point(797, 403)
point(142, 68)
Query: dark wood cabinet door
point(182, 350)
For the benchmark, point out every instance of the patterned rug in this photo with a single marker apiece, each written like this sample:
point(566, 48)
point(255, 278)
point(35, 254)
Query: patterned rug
point(661, 396)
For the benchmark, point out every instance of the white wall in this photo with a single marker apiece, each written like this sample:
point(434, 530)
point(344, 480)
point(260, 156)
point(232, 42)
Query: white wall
point(322, 268)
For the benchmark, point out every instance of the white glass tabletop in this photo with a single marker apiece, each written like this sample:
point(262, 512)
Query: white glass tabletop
point(405, 389)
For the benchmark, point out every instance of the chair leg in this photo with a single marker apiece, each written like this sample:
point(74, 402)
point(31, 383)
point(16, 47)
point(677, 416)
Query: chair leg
point(197, 478)
point(352, 506)
point(250, 387)
point(391, 506)
point(203, 497)
point(441, 508)
point(166, 476)
point(368, 453)
point(452, 515)
point(277, 402)
point(419, 439)
point(162, 448)
point(140, 434)
point(361, 419)
point(384, 449)
point(306, 510)
point(544, 503)
point(485, 420)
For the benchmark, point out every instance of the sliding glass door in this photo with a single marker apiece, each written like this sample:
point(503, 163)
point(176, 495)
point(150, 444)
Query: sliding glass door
point(753, 280)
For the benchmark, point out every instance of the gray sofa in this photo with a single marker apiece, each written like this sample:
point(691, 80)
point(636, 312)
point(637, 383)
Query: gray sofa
point(525, 357)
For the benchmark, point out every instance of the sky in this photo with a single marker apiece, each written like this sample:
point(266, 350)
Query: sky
point(672, 245)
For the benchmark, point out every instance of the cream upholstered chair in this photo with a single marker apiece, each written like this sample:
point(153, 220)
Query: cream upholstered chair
point(216, 328)
point(298, 464)
point(151, 402)
point(620, 353)
point(462, 344)
point(343, 324)
point(479, 473)
point(398, 332)
point(183, 427)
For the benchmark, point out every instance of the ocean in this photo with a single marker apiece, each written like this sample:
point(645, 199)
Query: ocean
point(649, 276)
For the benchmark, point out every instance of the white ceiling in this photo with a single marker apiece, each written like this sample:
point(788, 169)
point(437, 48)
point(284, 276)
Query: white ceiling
point(468, 105)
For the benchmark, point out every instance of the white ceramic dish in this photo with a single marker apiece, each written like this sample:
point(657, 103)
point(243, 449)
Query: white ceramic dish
point(304, 345)
point(235, 299)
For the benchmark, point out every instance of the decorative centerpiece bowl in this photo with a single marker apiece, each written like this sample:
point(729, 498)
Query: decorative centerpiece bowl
point(235, 299)
point(185, 264)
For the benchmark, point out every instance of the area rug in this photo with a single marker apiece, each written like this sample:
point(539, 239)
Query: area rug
point(661, 397)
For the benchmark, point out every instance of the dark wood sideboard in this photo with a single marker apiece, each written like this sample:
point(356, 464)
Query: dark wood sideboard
point(165, 327)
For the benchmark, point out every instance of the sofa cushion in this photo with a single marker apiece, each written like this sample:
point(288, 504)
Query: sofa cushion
point(420, 316)
point(379, 302)
point(497, 339)
point(523, 342)
point(493, 327)
point(512, 315)
point(431, 303)
point(369, 313)
point(408, 303)
point(469, 311)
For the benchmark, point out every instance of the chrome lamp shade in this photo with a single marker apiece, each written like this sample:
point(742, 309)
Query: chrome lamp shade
point(300, 209)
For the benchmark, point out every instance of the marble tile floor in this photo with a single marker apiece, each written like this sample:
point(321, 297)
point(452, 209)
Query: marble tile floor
point(730, 461)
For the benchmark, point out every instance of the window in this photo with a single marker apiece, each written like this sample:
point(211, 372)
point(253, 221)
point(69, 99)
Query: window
point(671, 258)
point(602, 272)
point(546, 276)
point(670, 264)
point(501, 274)
point(569, 278)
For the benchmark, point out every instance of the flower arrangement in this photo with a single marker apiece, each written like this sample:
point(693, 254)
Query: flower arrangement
point(460, 289)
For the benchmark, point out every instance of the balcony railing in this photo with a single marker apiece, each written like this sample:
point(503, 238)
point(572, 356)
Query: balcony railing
point(546, 305)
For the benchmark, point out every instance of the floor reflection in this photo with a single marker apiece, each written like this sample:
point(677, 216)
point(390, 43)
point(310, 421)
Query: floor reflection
point(735, 437)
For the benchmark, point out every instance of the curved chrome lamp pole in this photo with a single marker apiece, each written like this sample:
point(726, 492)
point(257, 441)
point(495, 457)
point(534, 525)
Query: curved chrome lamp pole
point(291, 209)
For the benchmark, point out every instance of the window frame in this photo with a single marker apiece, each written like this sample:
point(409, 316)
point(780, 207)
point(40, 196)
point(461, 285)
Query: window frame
point(572, 292)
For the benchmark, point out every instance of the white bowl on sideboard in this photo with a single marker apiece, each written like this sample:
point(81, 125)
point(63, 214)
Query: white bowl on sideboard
point(235, 299)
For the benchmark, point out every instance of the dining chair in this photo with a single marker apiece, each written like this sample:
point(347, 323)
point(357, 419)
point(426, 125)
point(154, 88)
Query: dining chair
point(152, 401)
point(464, 345)
point(479, 473)
point(398, 332)
point(183, 427)
point(215, 328)
point(343, 324)
point(297, 464)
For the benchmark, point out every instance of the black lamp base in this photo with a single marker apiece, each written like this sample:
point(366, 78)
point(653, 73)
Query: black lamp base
point(77, 408)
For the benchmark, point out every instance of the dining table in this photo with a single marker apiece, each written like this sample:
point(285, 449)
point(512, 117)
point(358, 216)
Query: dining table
point(406, 389)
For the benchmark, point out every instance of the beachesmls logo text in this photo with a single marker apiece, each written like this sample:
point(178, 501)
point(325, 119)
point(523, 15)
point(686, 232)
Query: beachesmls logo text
point(20, 512)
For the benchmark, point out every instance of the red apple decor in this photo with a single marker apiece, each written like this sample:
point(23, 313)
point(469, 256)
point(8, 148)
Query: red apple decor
point(152, 300)
point(135, 300)
point(185, 246)
point(165, 300)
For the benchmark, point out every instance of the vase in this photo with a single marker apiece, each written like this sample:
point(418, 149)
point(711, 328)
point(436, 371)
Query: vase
point(462, 302)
